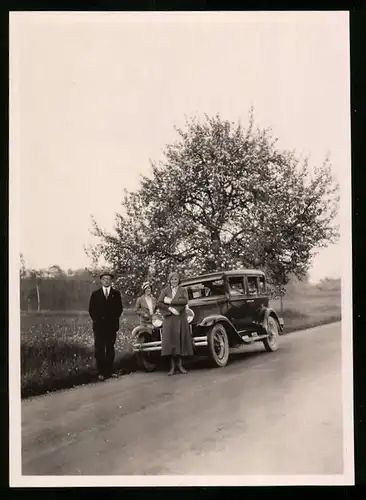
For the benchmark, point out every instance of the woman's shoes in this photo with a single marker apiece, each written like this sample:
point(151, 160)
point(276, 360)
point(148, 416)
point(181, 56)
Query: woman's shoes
point(179, 367)
point(182, 370)
point(172, 367)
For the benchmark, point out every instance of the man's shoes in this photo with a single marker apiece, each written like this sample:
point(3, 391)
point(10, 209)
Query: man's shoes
point(106, 376)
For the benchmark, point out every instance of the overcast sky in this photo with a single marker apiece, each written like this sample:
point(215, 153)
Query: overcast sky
point(95, 96)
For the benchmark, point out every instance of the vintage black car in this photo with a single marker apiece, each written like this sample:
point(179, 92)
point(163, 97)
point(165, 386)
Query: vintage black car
point(225, 310)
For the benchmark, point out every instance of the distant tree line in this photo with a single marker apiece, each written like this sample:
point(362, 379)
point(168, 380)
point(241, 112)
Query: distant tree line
point(55, 289)
point(54, 294)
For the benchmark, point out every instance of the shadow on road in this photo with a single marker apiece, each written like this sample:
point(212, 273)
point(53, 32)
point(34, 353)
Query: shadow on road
point(203, 363)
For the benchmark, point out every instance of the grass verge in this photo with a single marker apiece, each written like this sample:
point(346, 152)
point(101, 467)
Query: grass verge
point(309, 323)
point(57, 352)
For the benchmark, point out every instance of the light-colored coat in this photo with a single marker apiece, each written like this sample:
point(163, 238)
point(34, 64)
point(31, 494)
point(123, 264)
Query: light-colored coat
point(142, 309)
point(176, 337)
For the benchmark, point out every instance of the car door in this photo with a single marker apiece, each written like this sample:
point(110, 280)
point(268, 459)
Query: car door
point(238, 309)
point(253, 298)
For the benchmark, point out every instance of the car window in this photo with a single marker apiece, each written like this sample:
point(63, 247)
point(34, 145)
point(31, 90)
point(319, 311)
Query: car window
point(203, 289)
point(252, 285)
point(236, 286)
point(262, 284)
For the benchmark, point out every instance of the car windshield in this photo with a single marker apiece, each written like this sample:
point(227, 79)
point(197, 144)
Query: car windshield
point(202, 289)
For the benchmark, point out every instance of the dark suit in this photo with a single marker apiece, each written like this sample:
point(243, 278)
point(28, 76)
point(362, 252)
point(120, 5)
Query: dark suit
point(105, 314)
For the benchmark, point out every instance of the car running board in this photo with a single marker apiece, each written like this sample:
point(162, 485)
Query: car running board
point(250, 339)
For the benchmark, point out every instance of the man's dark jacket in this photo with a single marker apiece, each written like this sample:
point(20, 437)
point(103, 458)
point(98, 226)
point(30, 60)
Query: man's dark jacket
point(105, 313)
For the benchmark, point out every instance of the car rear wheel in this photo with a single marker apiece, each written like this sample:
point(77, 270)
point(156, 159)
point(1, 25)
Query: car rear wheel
point(146, 361)
point(218, 345)
point(271, 342)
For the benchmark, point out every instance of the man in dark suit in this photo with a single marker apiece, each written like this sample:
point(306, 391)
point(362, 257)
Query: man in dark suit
point(105, 309)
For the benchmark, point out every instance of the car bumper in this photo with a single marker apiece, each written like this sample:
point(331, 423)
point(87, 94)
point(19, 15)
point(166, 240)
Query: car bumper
point(281, 323)
point(156, 346)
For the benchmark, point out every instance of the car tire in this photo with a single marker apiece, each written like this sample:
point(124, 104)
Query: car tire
point(218, 345)
point(271, 342)
point(146, 361)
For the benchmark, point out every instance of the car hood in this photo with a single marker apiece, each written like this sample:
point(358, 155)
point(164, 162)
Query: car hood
point(205, 307)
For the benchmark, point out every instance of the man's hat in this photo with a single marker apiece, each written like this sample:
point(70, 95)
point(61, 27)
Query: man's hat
point(106, 274)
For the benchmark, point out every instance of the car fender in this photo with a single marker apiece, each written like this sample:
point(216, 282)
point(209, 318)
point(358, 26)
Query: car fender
point(265, 313)
point(140, 329)
point(212, 319)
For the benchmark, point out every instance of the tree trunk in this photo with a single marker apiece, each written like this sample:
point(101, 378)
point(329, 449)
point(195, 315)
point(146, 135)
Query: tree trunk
point(215, 263)
point(38, 298)
point(211, 266)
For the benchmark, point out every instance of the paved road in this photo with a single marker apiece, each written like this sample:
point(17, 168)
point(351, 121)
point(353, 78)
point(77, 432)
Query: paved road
point(265, 413)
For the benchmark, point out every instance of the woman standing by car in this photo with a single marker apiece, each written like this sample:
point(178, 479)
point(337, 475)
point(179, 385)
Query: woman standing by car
point(146, 305)
point(176, 335)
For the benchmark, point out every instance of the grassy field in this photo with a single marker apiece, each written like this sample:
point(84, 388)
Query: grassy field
point(308, 306)
point(57, 348)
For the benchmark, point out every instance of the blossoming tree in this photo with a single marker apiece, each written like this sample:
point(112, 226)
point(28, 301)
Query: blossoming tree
point(223, 197)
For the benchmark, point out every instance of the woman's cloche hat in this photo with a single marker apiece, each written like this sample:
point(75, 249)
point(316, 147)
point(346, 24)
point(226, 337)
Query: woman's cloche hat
point(145, 285)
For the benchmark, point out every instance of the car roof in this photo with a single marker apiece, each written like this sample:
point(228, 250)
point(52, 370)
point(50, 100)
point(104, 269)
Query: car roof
point(221, 274)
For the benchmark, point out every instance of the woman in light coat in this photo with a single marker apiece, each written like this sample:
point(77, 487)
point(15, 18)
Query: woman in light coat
point(146, 305)
point(176, 335)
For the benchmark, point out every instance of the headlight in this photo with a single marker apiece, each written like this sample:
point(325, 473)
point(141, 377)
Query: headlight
point(190, 315)
point(157, 320)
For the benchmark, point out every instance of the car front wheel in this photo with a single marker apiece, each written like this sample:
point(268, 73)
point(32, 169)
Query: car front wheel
point(271, 342)
point(218, 345)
